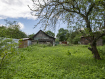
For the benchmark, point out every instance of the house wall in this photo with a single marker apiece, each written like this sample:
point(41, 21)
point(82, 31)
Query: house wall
point(33, 42)
point(44, 43)
point(29, 42)
point(100, 42)
point(43, 39)
point(86, 42)
point(41, 36)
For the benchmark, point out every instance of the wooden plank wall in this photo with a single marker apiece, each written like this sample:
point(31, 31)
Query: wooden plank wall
point(23, 43)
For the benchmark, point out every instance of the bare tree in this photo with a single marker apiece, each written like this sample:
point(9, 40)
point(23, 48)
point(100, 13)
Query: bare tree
point(86, 14)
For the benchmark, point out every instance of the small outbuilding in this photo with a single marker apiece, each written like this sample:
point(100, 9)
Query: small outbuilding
point(24, 42)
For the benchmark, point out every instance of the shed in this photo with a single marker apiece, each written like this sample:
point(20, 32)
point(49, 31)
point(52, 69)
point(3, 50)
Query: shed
point(24, 42)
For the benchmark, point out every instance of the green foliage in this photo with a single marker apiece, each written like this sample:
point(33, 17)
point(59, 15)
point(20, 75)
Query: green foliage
point(101, 51)
point(44, 45)
point(69, 53)
point(37, 62)
point(11, 31)
point(31, 36)
point(103, 39)
point(83, 13)
point(50, 33)
point(3, 30)
point(74, 37)
point(7, 50)
point(62, 34)
point(56, 41)
point(14, 32)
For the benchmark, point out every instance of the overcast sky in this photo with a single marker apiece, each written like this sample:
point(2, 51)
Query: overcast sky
point(18, 10)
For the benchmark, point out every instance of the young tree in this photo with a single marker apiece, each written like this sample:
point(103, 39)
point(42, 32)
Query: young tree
point(7, 50)
point(86, 14)
point(50, 33)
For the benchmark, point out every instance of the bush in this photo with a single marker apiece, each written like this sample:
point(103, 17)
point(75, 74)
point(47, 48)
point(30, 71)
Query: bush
point(7, 50)
point(101, 52)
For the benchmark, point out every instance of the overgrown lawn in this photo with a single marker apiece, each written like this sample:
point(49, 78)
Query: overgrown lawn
point(59, 62)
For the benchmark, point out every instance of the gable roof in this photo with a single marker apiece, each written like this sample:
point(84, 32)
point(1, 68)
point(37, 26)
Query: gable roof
point(44, 33)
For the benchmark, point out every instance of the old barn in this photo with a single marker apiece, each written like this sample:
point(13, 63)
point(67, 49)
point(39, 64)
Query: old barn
point(43, 38)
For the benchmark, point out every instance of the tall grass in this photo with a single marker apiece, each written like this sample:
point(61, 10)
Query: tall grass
point(43, 62)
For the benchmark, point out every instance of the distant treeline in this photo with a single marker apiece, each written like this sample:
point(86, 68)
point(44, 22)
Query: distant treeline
point(12, 31)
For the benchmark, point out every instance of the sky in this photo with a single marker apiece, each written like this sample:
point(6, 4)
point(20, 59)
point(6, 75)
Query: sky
point(18, 10)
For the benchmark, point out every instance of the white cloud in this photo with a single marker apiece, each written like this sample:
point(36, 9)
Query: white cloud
point(15, 9)
point(21, 25)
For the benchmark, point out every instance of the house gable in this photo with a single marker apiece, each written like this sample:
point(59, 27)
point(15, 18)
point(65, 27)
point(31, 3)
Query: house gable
point(42, 38)
point(42, 35)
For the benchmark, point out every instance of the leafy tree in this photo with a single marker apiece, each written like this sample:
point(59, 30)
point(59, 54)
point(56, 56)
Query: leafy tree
point(3, 30)
point(62, 34)
point(31, 36)
point(50, 33)
point(74, 37)
point(15, 33)
point(12, 30)
point(86, 14)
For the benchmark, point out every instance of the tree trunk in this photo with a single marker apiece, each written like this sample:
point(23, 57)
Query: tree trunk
point(95, 52)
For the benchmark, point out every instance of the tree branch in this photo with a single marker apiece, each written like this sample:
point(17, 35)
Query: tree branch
point(98, 37)
point(90, 9)
point(73, 11)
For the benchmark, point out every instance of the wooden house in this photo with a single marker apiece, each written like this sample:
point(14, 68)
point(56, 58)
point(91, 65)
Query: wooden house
point(84, 41)
point(42, 38)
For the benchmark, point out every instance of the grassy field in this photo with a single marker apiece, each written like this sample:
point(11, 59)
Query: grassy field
point(43, 62)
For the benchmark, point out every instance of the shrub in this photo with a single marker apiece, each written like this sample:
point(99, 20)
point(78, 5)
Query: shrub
point(101, 52)
point(7, 49)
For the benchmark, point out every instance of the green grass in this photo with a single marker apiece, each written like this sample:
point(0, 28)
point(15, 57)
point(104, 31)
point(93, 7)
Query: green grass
point(43, 62)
